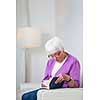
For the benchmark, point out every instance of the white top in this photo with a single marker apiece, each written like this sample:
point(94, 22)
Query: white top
point(57, 66)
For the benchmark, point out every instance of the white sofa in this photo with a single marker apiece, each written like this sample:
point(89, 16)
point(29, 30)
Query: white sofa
point(61, 94)
point(56, 94)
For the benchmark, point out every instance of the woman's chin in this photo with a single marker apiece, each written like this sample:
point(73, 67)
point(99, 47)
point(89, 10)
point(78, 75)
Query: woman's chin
point(58, 60)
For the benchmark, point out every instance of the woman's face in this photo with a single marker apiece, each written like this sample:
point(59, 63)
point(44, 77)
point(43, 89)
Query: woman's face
point(58, 56)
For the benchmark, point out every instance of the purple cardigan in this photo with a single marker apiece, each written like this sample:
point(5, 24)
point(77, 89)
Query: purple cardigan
point(70, 67)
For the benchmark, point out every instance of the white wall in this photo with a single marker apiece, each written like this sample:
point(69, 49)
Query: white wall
point(40, 15)
point(69, 27)
point(63, 17)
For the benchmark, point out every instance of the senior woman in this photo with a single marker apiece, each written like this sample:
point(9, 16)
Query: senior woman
point(62, 70)
point(61, 65)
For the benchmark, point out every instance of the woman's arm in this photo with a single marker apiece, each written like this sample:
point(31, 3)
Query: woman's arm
point(73, 79)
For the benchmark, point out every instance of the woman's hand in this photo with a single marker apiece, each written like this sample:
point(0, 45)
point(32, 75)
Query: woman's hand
point(42, 85)
point(62, 77)
point(45, 83)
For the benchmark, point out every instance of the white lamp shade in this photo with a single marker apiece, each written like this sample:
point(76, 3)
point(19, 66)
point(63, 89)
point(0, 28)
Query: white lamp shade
point(28, 38)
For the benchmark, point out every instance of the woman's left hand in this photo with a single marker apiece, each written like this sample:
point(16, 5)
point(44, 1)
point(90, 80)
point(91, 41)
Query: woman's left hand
point(62, 77)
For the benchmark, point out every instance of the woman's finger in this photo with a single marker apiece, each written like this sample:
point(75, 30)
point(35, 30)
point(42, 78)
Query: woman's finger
point(59, 80)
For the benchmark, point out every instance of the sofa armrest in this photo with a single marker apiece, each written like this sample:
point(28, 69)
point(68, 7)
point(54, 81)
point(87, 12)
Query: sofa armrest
point(55, 94)
point(61, 94)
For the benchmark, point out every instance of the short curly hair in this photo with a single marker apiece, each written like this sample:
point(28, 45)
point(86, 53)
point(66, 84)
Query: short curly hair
point(53, 45)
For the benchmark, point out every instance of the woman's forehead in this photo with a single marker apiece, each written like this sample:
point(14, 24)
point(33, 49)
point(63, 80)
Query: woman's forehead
point(55, 53)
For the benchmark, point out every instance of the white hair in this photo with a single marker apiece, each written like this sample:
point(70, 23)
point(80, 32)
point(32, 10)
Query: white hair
point(53, 45)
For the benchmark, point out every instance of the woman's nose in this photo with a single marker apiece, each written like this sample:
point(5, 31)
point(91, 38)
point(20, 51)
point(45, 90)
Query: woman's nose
point(55, 57)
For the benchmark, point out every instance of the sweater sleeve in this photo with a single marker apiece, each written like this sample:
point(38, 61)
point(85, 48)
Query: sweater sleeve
point(75, 73)
point(46, 75)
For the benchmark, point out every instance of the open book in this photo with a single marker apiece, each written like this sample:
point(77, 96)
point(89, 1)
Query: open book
point(51, 83)
point(47, 82)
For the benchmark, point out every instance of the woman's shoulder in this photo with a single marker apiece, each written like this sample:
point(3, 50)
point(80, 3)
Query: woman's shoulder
point(51, 60)
point(72, 58)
